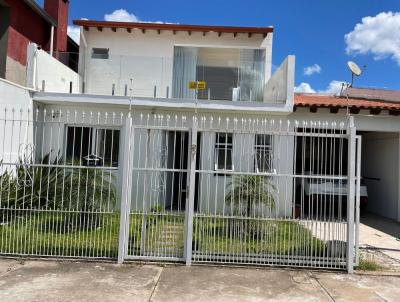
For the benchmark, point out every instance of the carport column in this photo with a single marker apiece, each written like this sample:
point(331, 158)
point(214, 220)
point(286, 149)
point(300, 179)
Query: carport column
point(351, 160)
point(190, 201)
point(126, 180)
point(398, 191)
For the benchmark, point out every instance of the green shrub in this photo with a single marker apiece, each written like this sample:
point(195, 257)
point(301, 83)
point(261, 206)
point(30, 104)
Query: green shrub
point(84, 191)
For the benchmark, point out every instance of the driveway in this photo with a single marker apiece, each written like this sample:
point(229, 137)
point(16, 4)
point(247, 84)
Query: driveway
point(83, 281)
point(380, 234)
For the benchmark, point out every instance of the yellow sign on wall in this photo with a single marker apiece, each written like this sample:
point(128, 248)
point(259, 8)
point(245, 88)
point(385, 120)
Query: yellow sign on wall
point(199, 85)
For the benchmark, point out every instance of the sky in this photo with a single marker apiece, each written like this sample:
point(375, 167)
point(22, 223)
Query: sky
point(322, 34)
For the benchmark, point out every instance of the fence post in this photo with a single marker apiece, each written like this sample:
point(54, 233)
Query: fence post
point(357, 204)
point(190, 201)
point(351, 158)
point(126, 169)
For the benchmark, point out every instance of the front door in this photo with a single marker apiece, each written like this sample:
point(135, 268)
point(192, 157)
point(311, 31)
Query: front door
point(178, 142)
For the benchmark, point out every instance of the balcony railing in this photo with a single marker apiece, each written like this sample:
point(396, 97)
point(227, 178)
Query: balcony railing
point(162, 77)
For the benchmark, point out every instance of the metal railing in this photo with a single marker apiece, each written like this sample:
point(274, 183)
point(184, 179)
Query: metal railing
point(193, 188)
point(155, 77)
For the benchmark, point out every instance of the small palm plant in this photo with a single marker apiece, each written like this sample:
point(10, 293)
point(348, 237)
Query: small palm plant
point(249, 195)
point(249, 192)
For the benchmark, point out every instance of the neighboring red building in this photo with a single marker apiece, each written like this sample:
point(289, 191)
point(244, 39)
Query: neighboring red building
point(24, 21)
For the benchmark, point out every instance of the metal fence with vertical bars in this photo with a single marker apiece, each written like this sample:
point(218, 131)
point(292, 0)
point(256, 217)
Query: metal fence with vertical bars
point(202, 188)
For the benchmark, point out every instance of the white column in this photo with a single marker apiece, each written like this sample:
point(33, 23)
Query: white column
point(126, 179)
point(351, 158)
point(190, 201)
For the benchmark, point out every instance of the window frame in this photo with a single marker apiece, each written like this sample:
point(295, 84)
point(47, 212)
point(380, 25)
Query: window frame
point(92, 146)
point(227, 146)
point(103, 55)
point(267, 148)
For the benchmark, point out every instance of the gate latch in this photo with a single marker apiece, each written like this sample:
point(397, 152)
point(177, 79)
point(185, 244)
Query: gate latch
point(194, 149)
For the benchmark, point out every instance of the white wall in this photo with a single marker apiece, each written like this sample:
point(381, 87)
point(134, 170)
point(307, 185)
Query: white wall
point(16, 128)
point(148, 57)
point(280, 87)
point(14, 96)
point(44, 68)
point(362, 121)
point(380, 160)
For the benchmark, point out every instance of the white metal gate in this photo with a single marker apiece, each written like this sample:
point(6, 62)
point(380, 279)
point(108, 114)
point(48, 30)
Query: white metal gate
point(156, 195)
point(243, 191)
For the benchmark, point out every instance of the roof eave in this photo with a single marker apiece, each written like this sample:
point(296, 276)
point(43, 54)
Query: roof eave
point(41, 12)
point(175, 27)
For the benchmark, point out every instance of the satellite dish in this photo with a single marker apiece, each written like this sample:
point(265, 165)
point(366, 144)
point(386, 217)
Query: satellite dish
point(355, 71)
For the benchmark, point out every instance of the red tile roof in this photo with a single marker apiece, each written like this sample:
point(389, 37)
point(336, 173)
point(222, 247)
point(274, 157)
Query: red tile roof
point(330, 101)
point(372, 94)
point(174, 27)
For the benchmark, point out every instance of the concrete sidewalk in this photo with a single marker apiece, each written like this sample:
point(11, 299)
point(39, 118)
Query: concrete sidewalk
point(80, 281)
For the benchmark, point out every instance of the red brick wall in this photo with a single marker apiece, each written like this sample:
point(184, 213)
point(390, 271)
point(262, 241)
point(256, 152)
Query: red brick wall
point(17, 45)
point(58, 9)
point(27, 26)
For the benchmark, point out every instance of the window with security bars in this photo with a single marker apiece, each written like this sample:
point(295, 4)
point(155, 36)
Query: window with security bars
point(263, 153)
point(92, 146)
point(223, 152)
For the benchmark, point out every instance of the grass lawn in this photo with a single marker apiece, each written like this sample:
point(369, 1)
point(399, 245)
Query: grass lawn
point(227, 236)
point(59, 234)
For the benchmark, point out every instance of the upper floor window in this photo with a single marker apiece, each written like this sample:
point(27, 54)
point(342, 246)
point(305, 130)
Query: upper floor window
point(223, 151)
point(100, 53)
point(263, 153)
point(231, 74)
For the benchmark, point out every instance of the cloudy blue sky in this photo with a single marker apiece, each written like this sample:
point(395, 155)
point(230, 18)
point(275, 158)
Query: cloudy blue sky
point(323, 35)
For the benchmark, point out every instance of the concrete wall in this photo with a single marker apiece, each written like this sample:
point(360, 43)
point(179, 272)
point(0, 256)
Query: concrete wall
point(16, 129)
point(14, 96)
point(380, 161)
point(15, 71)
point(148, 57)
point(43, 68)
point(280, 87)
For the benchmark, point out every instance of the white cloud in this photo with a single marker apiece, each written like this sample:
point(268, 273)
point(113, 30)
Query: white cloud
point(74, 33)
point(379, 35)
point(334, 87)
point(121, 15)
point(304, 88)
point(310, 70)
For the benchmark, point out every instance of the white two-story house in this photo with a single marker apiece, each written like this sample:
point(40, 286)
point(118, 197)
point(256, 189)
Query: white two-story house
point(159, 60)
point(147, 68)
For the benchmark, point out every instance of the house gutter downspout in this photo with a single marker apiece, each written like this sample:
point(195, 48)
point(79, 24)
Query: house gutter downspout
point(51, 40)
